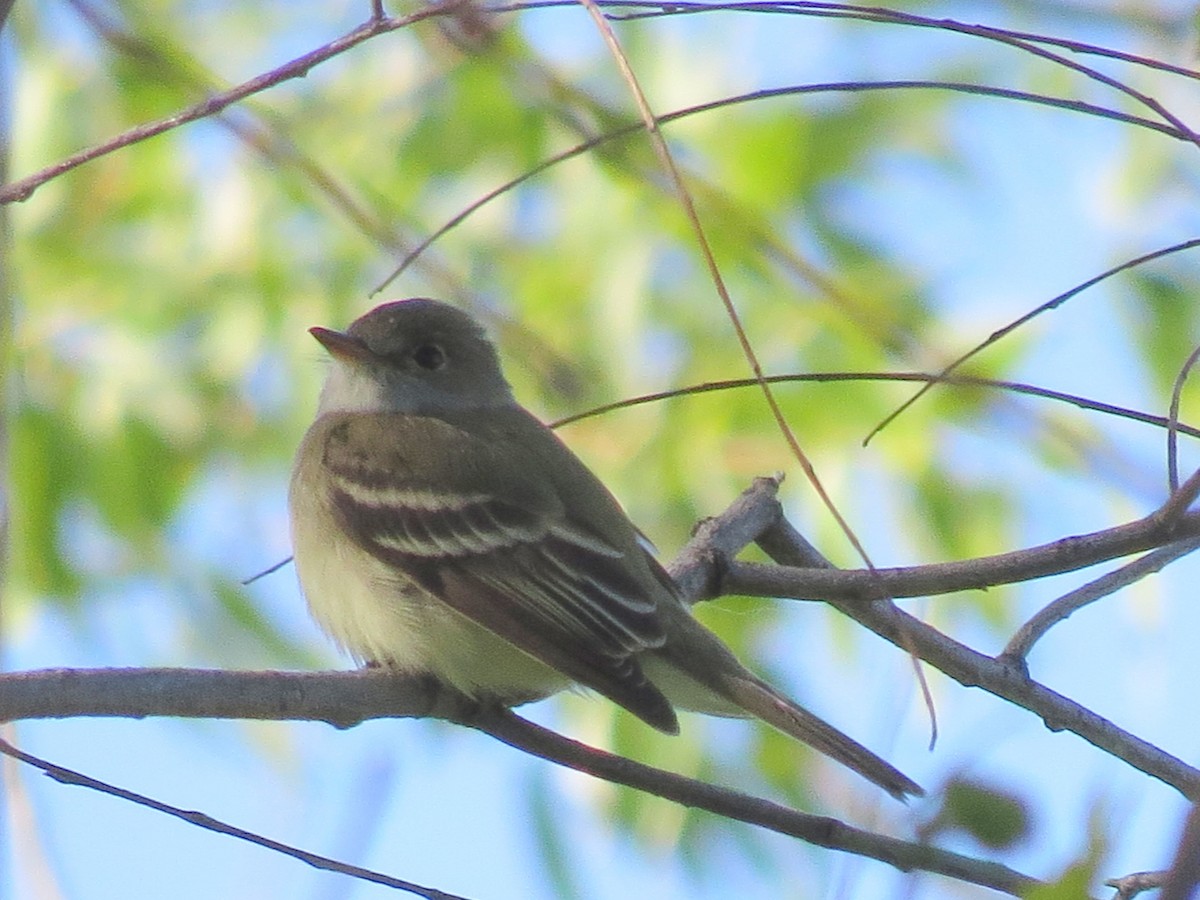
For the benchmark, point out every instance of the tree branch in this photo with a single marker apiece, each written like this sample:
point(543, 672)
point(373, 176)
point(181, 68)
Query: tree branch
point(1066, 554)
point(199, 819)
point(344, 699)
point(506, 726)
point(973, 669)
point(297, 68)
point(1057, 611)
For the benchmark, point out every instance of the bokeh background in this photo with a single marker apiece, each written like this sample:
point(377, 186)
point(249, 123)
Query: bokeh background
point(158, 377)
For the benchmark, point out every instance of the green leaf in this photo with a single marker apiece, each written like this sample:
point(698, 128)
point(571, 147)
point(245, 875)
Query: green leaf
point(994, 818)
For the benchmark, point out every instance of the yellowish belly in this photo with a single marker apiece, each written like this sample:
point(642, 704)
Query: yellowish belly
point(371, 612)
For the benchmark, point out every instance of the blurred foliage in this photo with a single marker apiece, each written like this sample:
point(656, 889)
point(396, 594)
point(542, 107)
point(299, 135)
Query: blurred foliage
point(1082, 873)
point(994, 818)
point(163, 293)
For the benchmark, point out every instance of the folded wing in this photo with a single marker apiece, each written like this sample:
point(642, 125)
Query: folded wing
point(453, 513)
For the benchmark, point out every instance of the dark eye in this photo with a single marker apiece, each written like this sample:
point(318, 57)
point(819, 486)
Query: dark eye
point(429, 356)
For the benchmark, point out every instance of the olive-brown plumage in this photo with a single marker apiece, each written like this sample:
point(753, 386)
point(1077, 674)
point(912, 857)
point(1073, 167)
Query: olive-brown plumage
point(441, 528)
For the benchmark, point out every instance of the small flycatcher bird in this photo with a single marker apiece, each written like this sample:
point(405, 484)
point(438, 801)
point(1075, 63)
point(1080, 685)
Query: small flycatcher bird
point(439, 528)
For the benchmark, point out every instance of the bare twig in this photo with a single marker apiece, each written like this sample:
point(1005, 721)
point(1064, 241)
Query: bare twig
point(1015, 387)
point(296, 68)
point(861, 585)
point(291, 695)
point(1028, 634)
point(973, 669)
point(1183, 878)
point(1129, 886)
point(1173, 419)
point(1016, 323)
point(760, 95)
point(651, 124)
point(201, 820)
point(822, 831)
point(875, 14)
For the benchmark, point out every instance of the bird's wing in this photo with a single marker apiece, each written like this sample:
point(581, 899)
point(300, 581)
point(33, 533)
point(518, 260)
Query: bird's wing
point(483, 529)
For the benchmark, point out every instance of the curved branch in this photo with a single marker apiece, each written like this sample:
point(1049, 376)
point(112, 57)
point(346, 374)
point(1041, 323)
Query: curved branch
point(835, 87)
point(297, 68)
point(200, 820)
point(863, 585)
point(506, 726)
point(1015, 387)
point(347, 698)
point(1058, 610)
point(973, 669)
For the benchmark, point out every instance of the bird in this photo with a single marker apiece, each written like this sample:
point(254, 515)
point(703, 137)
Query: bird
point(440, 529)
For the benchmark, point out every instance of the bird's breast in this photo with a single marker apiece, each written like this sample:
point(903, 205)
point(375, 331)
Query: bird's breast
point(377, 614)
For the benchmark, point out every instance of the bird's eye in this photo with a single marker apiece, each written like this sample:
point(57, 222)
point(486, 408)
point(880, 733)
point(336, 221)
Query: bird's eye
point(429, 356)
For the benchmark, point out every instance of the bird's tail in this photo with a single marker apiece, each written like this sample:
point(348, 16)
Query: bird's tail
point(758, 698)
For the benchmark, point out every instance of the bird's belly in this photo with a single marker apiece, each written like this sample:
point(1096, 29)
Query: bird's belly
point(375, 614)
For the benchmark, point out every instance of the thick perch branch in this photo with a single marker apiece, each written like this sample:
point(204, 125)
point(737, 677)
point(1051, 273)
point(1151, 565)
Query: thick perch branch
point(342, 699)
point(346, 698)
point(702, 569)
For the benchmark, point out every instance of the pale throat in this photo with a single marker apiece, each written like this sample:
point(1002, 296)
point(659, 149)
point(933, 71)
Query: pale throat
point(349, 389)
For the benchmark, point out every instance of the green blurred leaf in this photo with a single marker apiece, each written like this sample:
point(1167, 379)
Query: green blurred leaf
point(45, 465)
point(1073, 884)
point(993, 818)
point(1165, 324)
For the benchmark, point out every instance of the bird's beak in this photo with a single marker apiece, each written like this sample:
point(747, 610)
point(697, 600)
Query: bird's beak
point(342, 346)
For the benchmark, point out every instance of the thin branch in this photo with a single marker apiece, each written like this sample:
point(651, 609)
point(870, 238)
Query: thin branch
point(823, 831)
point(1046, 618)
point(1173, 420)
point(269, 570)
point(201, 820)
point(871, 14)
point(863, 586)
point(754, 96)
point(1015, 387)
point(973, 669)
point(1016, 323)
point(751, 355)
point(1183, 878)
point(684, 196)
point(297, 68)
